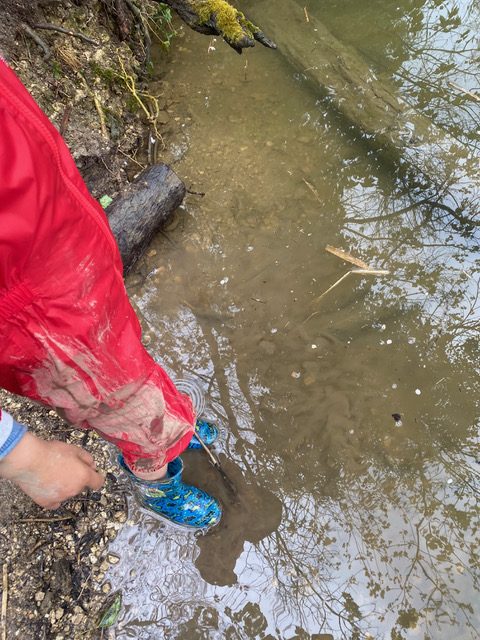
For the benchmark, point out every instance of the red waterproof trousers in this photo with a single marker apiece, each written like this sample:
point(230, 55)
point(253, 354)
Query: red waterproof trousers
point(69, 337)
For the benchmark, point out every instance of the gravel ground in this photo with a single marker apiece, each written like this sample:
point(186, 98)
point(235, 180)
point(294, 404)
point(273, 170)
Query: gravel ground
point(53, 562)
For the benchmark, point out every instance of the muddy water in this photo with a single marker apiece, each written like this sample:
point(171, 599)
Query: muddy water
point(350, 421)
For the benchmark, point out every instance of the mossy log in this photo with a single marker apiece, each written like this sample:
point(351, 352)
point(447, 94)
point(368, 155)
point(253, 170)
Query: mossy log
point(142, 209)
point(219, 17)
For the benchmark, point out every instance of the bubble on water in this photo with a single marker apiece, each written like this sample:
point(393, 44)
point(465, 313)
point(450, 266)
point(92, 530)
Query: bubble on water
point(418, 392)
point(389, 341)
point(224, 280)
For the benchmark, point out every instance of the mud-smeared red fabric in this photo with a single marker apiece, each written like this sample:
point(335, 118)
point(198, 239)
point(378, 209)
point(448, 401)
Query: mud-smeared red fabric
point(69, 337)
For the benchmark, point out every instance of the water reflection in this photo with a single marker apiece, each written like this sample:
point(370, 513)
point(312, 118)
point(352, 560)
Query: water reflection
point(379, 524)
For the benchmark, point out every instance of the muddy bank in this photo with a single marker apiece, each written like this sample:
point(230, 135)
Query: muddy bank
point(93, 88)
point(87, 67)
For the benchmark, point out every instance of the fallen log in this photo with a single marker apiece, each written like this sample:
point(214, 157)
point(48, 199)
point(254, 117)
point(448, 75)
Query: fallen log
point(371, 104)
point(142, 209)
point(336, 70)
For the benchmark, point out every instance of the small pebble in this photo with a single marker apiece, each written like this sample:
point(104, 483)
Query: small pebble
point(296, 374)
point(418, 392)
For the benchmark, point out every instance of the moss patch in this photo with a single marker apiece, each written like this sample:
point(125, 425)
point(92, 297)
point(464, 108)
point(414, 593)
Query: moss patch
point(231, 22)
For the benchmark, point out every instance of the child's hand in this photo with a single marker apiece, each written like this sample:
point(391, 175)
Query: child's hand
point(50, 471)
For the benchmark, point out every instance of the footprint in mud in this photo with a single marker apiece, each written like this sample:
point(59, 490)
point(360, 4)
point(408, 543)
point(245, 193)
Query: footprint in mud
point(251, 515)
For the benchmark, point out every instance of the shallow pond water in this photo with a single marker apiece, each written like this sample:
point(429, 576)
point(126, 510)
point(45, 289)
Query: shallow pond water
point(350, 420)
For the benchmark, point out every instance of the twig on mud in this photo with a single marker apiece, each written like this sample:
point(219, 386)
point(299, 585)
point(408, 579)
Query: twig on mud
point(96, 102)
point(307, 17)
point(4, 601)
point(84, 585)
point(63, 128)
point(35, 548)
point(364, 270)
point(132, 159)
point(70, 516)
point(75, 34)
point(360, 272)
point(143, 25)
point(335, 284)
point(36, 38)
point(312, 189)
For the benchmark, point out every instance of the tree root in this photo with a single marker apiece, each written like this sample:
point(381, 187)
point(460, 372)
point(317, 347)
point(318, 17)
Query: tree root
point(36, 38)
point(147, 41)
point(74, 34)
point(97, 103)
point(147, 103)
point(123, 19)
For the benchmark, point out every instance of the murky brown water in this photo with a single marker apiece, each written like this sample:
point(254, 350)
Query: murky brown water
point(349, 522)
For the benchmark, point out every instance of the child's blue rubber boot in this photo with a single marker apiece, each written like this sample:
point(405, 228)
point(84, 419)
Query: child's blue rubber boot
point(208, 433)
point(171, 499)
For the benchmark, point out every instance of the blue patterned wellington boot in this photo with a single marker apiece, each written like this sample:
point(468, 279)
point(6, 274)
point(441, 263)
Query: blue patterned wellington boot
point(172, 500)
point(208, 433)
